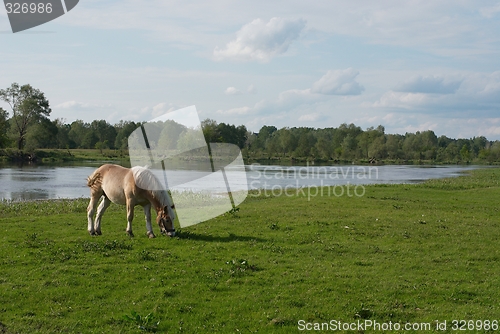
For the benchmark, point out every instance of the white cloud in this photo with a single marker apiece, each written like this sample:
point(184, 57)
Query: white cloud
point(261, 41)
point(251, 89)
point(72, 105)
point(482, 88)
point(339, 82)
point(475, 92)
point(148, 113)
point(311, 117)
point(303, 105)
point(403, 100)
point(232, 91)
point(491, 11)
point(429, 85)
point(236, 111)
point(73, 110)
point(331, 85)
point(163, 108)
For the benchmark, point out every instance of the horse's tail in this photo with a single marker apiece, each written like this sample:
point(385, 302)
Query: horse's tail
point(94, 180)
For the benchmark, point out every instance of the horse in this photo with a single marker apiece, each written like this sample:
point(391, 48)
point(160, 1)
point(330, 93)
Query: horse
point(130, 187)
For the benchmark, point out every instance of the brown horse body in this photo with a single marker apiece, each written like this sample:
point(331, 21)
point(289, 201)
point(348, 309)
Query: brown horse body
point(130, 187)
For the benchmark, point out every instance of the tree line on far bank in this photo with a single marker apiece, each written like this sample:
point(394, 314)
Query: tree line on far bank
point(27, 127)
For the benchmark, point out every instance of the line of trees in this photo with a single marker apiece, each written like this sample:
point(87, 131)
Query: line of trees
point(350, 142)
point(29, 128)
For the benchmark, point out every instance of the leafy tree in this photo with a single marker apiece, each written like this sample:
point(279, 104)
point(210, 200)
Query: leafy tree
point(287, 140)
point(324, 145)
point(101, 145)
point(63, 129)
point(264, 135)
point(209, 127)
point(104, 132)
point(29, 106)
point(393, 146)
point(4, 127)
point(349, 146)
point(190, 139)
point(171, 134)
point(477, 144)
point(451, 151)
point(231, 134)
point(377, 148)
point(41, 135)
point(444, 141)
point(123, 131)
point(78, 132)
point(305, 142)
point(465, 153)
point(366, 138)
point(89, 140)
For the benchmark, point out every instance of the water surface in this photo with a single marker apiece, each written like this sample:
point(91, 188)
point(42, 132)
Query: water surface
point(36, 182)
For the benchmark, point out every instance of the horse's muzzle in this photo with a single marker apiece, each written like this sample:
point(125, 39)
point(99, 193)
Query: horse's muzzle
point(170, 232)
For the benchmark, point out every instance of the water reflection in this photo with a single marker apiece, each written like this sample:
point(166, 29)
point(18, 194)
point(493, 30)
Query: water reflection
point(43, 182)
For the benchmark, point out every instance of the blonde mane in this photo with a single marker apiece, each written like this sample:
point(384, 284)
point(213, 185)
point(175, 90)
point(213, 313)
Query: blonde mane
point(145, 179)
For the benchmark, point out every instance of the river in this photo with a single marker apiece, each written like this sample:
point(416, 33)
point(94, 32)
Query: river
point(37, 182)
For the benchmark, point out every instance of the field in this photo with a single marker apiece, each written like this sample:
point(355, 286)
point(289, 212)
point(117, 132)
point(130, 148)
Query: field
point(416, 253)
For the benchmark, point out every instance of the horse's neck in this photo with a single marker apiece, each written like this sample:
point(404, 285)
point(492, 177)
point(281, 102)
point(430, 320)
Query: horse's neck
point(155, 202)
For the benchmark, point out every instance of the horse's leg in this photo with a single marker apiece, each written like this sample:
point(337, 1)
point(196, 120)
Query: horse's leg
point(147, 214)
point(94, 198)
point(130, 217)
point(100, 211)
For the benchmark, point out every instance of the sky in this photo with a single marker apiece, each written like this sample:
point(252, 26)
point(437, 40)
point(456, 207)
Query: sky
point(407, 65)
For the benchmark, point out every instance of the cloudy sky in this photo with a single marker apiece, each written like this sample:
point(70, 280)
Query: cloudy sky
point(408, 65)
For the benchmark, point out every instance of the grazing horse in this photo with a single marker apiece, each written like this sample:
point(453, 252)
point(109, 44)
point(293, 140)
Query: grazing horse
point(130, 187)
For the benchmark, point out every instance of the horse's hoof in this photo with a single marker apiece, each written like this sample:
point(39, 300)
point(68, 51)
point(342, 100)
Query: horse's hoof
point(151, 235)
point(130, 234)
point(98, 232)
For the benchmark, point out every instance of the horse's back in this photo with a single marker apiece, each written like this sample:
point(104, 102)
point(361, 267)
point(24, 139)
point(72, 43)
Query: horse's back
point(115, 182)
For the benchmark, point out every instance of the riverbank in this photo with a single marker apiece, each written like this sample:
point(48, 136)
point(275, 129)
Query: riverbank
point(62, 155)
point(41, 156)
point(407, 253)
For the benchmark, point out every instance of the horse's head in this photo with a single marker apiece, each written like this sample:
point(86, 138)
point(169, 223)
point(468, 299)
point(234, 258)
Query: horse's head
point(165, 221)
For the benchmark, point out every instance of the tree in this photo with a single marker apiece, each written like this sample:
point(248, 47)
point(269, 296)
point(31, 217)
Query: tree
point(77, 133)
point(171, 134)
point(287, 140)
point(189, 140)
point(29, 106)
point(41, 135)
point(231, 134)
point(4, 126)
point(377, 148)
point(123, 131)
point(465, 153)
point(393, 146)
point(264, 135)
point(349, 146)
point(305, 142)
point(104, 132)
point(209, 127)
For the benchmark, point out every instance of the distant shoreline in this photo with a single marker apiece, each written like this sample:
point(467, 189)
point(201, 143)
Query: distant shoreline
point(48, 156)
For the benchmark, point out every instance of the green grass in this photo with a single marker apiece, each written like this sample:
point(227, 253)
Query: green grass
point(400, 253)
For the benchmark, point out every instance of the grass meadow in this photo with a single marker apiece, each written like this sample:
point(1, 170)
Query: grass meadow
point(407, 253)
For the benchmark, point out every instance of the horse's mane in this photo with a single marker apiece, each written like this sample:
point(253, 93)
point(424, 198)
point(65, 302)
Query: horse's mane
point(145, 179)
